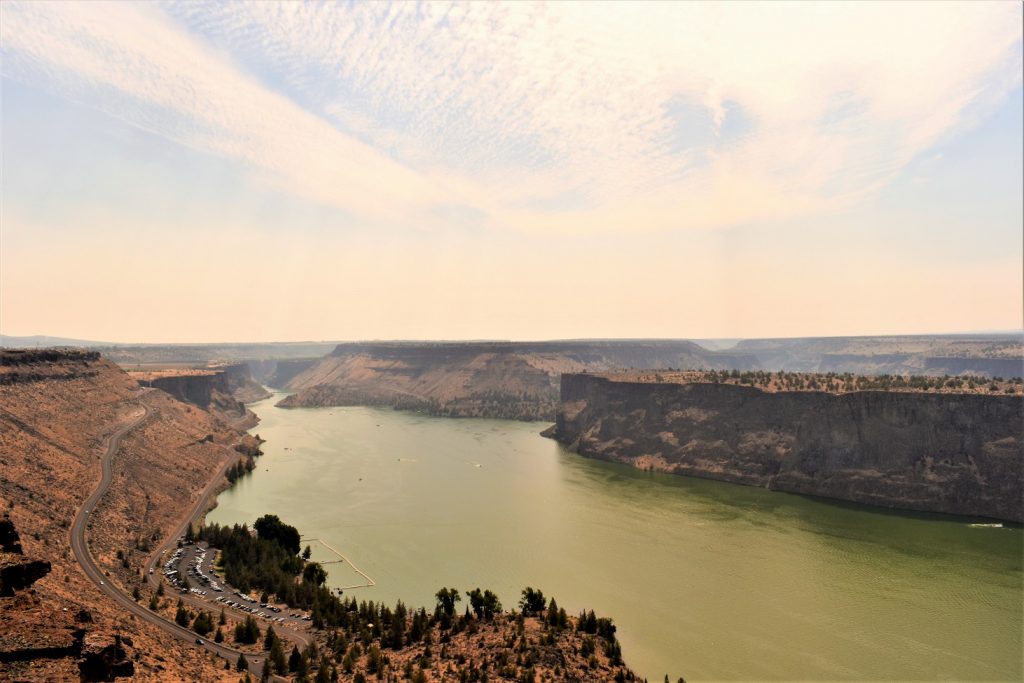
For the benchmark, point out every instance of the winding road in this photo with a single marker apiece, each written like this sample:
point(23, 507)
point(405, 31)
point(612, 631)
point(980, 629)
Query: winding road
point(93, 571)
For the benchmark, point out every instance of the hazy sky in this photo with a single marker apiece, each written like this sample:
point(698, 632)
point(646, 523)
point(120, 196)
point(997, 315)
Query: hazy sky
point(259, 171)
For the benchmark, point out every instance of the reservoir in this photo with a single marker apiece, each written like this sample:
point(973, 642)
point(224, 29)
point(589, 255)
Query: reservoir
point(704, 579)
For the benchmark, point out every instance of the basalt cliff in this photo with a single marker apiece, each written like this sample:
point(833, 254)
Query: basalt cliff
point(220, 389)
point(951, 453)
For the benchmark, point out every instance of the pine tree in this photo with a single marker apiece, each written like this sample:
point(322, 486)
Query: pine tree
point(277, 657)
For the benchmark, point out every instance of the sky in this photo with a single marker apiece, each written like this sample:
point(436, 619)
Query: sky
point(254, 171)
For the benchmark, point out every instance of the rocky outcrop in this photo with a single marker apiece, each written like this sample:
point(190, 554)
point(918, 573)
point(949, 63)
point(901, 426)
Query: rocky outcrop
point(239, 382)
point(195, 388)
point(206, 386)
point(103, 659)
point(953, 453)
point(10, 542)
point(480, 379)
point(17, 572)
point(57, 639)
point(47, 643)
point(24, 366)
point(100, 656)
point(219, 390)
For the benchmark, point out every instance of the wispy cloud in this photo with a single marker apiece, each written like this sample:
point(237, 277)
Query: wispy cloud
point(396, 111)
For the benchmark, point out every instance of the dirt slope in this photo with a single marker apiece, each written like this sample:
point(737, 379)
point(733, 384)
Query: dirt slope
point(55, 412)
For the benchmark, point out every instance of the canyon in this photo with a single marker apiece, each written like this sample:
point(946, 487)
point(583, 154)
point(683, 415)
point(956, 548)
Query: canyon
point(62, 413)
point(520, 380)
point(951, 453)
point(480, 379)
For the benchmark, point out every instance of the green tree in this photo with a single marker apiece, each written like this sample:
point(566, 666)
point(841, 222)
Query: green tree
point(446, 599)
point(181, 617)
point(247, 632)
point(307, 552)
point(277, 657)
point(271, 527)
point(243, 663)
point(533, 601)
point(348, 662)
point(203, 623)
point(313, 573)
point(484, 604)
point(293, 659)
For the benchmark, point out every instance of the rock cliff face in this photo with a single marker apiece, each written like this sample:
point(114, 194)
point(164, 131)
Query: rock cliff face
point(223, 390)
point(953, 453)
point(239, 382)
point(22, 366)
point(17, 572)
point(195, 388)
point(284, 371)
point(98, 658)
point(480, 379)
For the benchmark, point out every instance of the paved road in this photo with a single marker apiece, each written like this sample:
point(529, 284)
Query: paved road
point(153, 567)
point(85, 558)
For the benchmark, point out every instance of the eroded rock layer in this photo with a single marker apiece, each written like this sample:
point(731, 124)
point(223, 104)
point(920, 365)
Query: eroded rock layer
point(953, 453)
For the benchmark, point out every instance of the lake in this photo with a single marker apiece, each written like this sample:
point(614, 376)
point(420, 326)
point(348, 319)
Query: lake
point(704, 579)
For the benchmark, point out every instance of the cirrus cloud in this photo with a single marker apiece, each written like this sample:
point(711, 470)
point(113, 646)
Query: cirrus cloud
point(559, 117)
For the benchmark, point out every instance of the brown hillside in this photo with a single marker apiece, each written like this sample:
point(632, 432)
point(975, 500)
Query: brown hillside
point(54, 416)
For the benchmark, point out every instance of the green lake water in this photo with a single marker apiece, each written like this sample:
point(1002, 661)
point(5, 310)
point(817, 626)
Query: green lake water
point(704, 579)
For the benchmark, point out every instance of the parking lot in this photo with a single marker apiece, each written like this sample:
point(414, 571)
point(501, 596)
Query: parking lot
point(189, 569)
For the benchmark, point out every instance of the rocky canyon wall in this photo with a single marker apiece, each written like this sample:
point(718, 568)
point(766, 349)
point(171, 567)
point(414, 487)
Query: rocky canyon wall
point(952, 453)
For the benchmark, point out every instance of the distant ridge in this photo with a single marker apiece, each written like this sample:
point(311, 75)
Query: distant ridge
point(40, 340)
